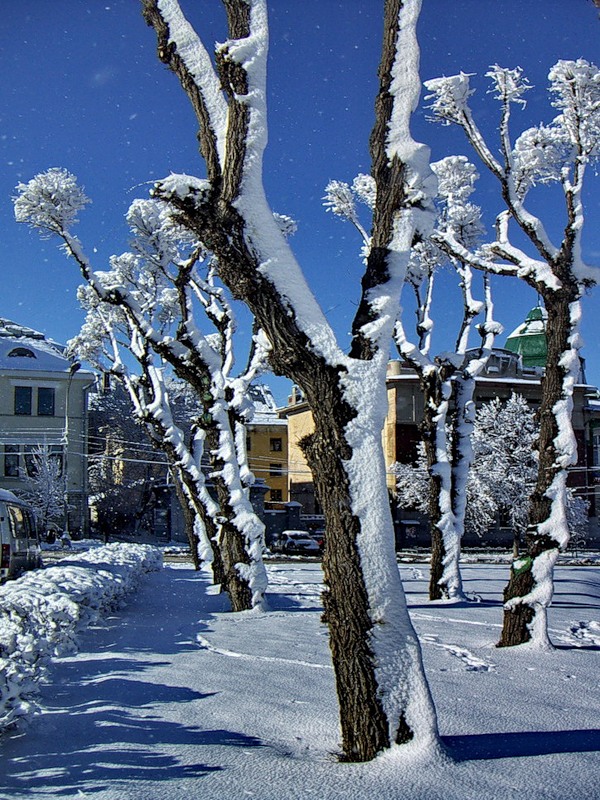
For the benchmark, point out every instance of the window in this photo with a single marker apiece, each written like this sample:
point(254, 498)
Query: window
point(275, 470)
point(248, 444)
point(21, 352)
point(31, 465)
point(11, 460)
point(18, 522)
point(276, 495)
point(45, 404)
point(55, 453)
point(276, 445)
point(596, 449)
point(23, 400)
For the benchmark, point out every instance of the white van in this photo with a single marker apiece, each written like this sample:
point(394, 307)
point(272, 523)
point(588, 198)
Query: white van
point(19, 541)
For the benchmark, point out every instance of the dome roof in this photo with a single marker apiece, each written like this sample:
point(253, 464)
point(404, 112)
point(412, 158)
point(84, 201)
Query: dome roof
point(529, 339)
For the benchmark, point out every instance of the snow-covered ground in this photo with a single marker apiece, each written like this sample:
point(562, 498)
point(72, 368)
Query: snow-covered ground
point(170, 697)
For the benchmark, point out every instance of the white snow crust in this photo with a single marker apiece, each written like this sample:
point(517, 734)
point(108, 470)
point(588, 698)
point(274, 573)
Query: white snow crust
point(174, 697)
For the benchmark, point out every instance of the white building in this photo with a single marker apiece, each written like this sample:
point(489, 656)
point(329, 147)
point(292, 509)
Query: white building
point(43, 402)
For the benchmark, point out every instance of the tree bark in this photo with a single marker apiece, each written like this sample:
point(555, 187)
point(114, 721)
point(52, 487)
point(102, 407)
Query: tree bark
point(432, 385)
point(520, 616)
point(363, 721)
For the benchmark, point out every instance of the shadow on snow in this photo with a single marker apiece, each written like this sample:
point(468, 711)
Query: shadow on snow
point(480, 747)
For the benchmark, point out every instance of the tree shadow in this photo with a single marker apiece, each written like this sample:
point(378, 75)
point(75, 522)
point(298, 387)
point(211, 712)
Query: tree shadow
point(484, 746)
point(109, 742)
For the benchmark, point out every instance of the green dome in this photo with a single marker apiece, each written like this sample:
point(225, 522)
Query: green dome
point(529, 339)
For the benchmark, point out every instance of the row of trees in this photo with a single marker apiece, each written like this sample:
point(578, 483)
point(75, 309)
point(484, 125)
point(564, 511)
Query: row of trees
point(199, 241)
point(502, 474)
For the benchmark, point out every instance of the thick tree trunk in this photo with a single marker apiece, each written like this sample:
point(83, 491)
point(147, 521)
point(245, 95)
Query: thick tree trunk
point(364, 724)
point(525, 605)
point(376, 657)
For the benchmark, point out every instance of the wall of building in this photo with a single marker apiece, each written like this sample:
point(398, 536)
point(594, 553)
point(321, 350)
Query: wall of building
point(52, 424)
point(267, 444)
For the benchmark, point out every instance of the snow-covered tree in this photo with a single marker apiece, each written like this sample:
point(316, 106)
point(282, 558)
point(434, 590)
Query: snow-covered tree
point(502, 473)
point(505, 458)
point(151, 305)
point(556, 153)
point(381, 688)
point(44, 489)
point(413, 486)
point(445, 374)
point(449, 376)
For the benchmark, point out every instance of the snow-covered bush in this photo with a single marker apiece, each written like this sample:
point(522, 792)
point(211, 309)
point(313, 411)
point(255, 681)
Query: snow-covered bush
point(42, 613)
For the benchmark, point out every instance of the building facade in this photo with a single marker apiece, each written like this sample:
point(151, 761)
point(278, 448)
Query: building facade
point(43, 408)
point(267, 447)
point(505, 373)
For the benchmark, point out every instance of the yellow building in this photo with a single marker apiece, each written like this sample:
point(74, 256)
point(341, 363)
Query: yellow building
point(504, 374)
point(267, 446)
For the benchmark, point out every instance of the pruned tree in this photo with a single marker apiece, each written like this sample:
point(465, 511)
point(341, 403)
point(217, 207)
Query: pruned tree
point(383, 695)
point(445, 376)
point(448, 378)
point(148, 304)
point(557, 153)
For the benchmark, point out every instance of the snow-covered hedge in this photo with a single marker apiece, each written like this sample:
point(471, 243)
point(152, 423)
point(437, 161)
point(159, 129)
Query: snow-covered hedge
point(42, 613)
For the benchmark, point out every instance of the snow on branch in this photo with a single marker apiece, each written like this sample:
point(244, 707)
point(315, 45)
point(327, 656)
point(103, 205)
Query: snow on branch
point(509, 85)
point(576, 89)
point(50, 201)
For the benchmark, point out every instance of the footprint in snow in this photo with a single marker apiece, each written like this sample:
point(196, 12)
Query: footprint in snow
point(585, 632)
point(472, 662)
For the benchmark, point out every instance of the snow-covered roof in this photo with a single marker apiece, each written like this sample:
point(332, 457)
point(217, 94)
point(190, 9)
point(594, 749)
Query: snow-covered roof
point(29, 354)
point(23, 348)
point(262, 397)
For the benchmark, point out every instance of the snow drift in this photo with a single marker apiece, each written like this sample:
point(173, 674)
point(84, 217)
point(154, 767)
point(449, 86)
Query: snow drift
point(42, 613)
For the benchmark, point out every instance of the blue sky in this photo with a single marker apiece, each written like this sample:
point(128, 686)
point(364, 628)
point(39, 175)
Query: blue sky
point(82, 88)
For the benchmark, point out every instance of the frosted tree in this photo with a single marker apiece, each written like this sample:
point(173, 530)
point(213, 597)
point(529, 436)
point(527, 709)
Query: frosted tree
point(556, 153)
point(150, 302)
point(45, 486)
point(448, 378)
point(443, 376)
point(414, 486)
point(114, 434)
point(505, 461)
point(383, 695)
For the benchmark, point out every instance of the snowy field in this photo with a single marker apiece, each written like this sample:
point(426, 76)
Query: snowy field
point(169, 697)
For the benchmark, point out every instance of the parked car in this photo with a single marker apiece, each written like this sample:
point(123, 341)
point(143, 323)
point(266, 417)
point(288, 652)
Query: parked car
point(296, 543)
point(19, 540)
point(319, 538)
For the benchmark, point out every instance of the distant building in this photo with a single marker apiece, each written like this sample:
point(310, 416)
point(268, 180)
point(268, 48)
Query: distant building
point(506, 372)
point(43, 402)
point(267, 446)
point(529, 339)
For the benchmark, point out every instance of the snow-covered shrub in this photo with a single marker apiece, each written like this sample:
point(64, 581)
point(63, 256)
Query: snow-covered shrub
point(42, 613)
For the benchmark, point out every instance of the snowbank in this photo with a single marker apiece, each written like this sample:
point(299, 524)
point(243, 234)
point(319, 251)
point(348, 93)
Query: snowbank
point(42, 613)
